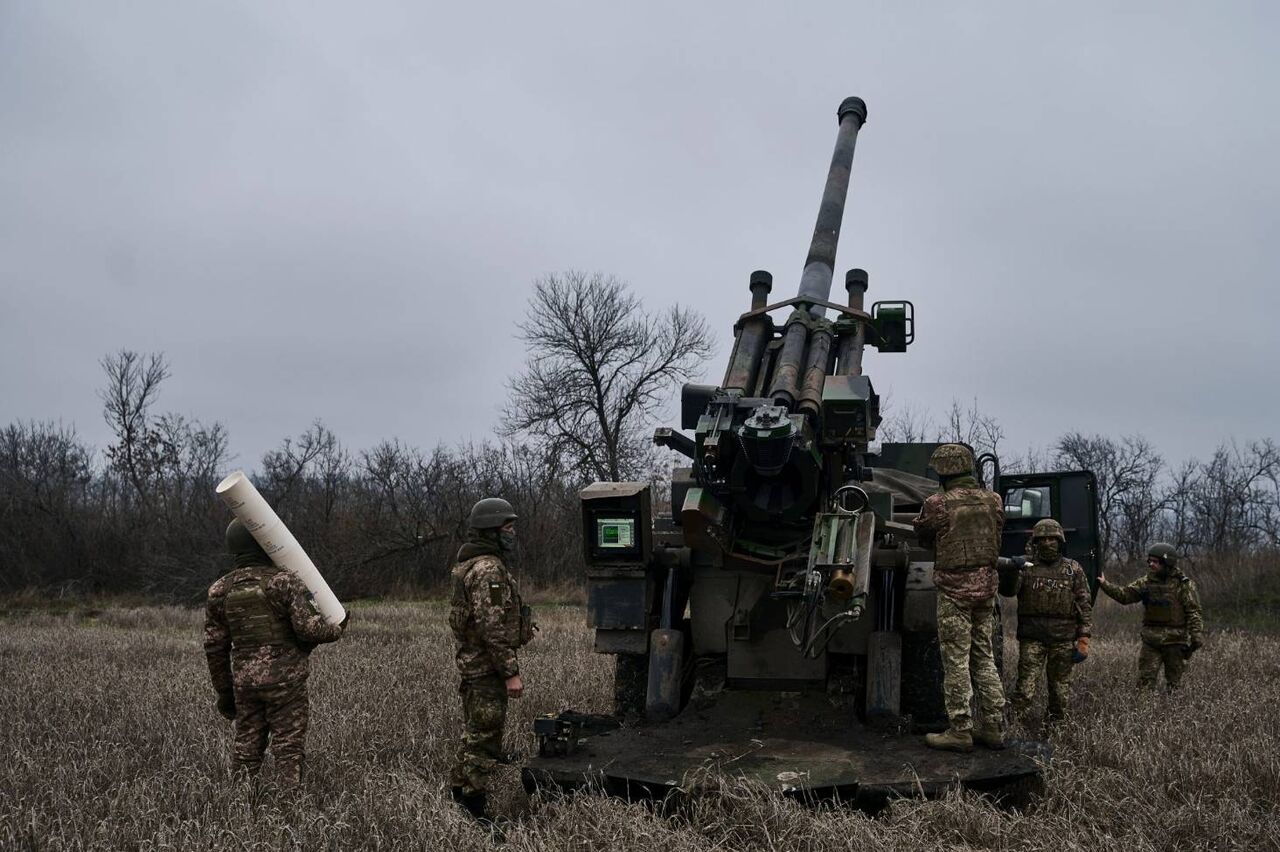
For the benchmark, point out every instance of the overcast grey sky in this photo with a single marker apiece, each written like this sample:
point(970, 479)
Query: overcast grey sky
point(336, 210)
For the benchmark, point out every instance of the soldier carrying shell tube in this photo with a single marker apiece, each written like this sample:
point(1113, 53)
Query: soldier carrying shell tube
point(261, 625)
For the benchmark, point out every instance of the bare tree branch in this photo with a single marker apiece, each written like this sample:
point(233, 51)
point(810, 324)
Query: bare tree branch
point(599, 368)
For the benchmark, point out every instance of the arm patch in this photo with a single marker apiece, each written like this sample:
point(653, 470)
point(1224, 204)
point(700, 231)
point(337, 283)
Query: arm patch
point(495, 592)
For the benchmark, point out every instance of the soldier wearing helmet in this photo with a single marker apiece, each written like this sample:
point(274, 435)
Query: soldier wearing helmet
point(963, 526)
point(1055, 615)
point(489, 624)
point(1172, 624)
point(261, 625)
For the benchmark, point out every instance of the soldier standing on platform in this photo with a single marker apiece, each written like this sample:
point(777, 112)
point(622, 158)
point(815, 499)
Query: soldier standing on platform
point(963, 525)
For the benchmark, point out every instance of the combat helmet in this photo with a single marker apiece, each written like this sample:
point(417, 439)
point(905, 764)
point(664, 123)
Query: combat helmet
point(243, 547)
point(1166, 553)
point(1048, 528)
point(952, 460)
point(490, 513)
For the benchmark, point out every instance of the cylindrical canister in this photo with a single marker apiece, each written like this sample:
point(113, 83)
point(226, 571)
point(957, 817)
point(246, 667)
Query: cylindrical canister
point(269, 531)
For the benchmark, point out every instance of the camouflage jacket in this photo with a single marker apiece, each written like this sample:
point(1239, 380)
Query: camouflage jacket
point(963, 525)
point(1053, 602)
point(1170, 607)
point(488, 620)
point(270, 632)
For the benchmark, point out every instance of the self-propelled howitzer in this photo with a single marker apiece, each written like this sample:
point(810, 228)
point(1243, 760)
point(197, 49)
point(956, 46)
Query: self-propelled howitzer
point(782, 602)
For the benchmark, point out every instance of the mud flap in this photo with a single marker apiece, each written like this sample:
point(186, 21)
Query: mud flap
point(666, 658)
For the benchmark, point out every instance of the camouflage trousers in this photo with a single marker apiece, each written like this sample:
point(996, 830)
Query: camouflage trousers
point(1055, 660)
point(964, 638)
point(1153, 657)
point(275, 713)
point(484, 716)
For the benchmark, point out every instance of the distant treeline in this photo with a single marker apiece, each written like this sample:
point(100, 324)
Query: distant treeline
point(1227, 505)
point(383, 521)
point(141, 516)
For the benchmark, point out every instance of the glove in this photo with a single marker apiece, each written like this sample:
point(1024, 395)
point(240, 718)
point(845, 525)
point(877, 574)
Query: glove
point(1081, 652)
point(346, 619)
point(1195, 645)
point(227, 704)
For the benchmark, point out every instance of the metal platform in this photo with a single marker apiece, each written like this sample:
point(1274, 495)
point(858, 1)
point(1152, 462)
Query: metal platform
point(795, 743)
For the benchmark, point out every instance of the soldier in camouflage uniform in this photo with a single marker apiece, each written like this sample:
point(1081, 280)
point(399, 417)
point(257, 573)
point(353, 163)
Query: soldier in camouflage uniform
point(260, 627)
point(963, 525)
point(1055, 615)
point(1172, 624)
point(489, 623)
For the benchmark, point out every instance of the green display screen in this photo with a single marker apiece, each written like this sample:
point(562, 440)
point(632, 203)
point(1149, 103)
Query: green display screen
point(615, 533)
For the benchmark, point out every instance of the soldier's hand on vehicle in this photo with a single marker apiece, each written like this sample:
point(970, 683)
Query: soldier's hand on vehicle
point(1081, 652)
point(227, 705)
point(515, 686)
point(1101, 577)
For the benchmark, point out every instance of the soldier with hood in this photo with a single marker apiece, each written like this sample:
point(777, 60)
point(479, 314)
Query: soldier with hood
point(963, 526)
point(1055, 616)
point(489, 623)
point(261, 625)
point(1172, 624)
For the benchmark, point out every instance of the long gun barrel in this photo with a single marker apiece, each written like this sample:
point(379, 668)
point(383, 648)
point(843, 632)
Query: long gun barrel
point(815, 283)
point(819, 266)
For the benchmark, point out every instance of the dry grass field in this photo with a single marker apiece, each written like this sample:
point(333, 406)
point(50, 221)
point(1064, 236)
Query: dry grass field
point(110, 740)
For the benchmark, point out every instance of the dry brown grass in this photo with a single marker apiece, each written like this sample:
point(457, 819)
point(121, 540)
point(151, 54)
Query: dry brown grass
point(111, 741)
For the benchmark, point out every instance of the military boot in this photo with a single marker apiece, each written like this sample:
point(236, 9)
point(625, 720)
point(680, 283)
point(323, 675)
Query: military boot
point(477, 807)
point(289, 772)
point(989, 736)
point(950, 740)
point(473, 803)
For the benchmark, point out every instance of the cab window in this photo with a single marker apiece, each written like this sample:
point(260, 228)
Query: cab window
point(1028, 502)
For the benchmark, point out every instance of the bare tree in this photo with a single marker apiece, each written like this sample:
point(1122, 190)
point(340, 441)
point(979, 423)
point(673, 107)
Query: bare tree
point(400, 499)
point(972, 426)
point(1030, 460)
point(1235, 498)
point(45, 480)
point(1127, 471)
point(284, 468)
point(913, 424)
point(907, 424)
point(133, 382)
point(1178, 524)
point(599, 368)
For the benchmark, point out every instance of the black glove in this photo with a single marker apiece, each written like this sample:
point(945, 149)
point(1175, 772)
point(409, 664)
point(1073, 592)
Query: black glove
point(227, 704)
point(346, 619)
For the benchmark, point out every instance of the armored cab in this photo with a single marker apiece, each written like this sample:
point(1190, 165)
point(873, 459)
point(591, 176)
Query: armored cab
point(775, 613)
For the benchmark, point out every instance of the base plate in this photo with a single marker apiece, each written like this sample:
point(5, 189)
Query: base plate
point(796, 743)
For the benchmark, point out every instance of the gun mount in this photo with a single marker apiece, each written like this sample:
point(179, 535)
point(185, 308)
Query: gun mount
point(783, 613)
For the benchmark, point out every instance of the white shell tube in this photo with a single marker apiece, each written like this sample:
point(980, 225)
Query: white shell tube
point(269, 531)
